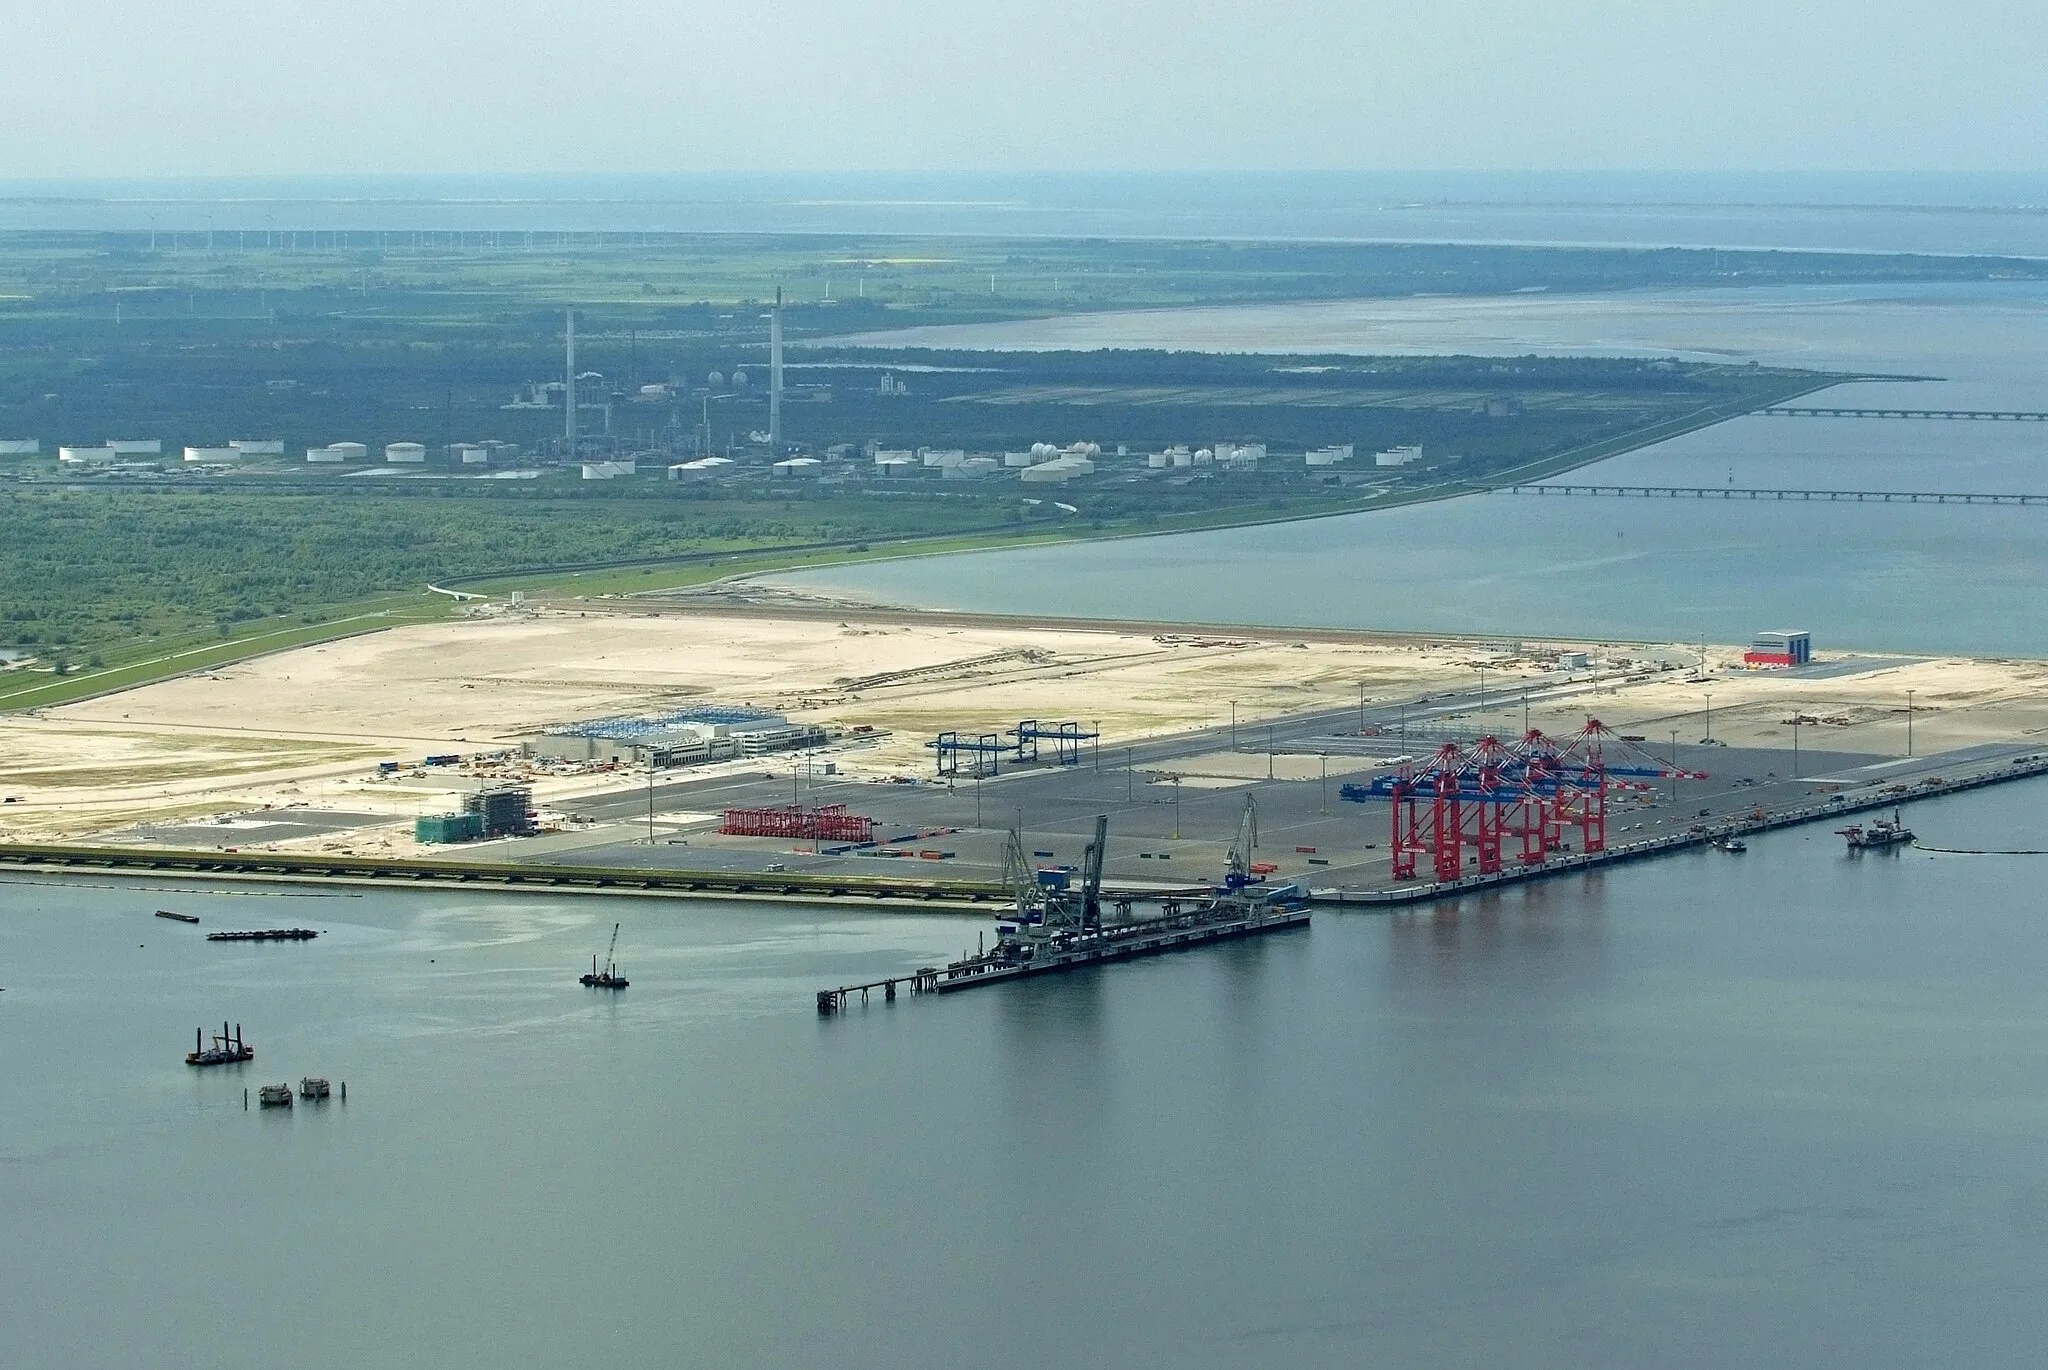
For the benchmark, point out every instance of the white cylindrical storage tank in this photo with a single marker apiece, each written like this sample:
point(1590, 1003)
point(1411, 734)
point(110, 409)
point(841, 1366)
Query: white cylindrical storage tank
point(350, 451)
point(1053, 472)
point(20, 447)
point(1157, 461)
point(1016, 459)
point(410, 453)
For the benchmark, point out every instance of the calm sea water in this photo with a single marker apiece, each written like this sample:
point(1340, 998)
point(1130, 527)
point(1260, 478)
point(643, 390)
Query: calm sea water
point(1925, 578)
point(2004, 214)
point(1781, 1109)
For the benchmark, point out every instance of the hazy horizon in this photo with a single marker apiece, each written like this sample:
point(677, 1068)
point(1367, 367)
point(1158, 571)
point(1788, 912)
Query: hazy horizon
point(116, 88)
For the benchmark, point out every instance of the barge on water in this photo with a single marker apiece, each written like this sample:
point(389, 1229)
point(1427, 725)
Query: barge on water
point(609, 977)
point(226, 1050)
point(263, 935)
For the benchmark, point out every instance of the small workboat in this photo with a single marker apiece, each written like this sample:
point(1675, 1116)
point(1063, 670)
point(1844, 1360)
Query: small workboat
point(225, 1051)
point(1736, 845)
point(178, 917)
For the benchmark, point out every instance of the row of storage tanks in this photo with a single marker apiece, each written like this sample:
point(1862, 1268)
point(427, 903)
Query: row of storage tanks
point(402, 453)
point(1042, 462)
point(128, 449)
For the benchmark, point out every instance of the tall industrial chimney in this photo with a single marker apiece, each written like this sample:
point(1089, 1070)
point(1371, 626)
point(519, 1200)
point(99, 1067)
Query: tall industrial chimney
point(569, 389)
point(775, 378)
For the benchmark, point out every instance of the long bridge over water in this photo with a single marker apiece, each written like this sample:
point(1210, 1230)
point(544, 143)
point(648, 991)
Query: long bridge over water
point(1789, 411)
point(1743, 492)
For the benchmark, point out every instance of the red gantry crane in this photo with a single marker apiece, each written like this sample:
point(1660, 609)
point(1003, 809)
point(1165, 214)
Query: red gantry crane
point(1545, 794)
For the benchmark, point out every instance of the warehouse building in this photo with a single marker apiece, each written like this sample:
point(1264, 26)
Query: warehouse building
point(1779, 649)
point(690, 737)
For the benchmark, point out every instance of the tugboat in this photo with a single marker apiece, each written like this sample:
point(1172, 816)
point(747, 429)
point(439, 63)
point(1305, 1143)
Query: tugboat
point(1882, 833)
point(609, 977)
point(225, 1051)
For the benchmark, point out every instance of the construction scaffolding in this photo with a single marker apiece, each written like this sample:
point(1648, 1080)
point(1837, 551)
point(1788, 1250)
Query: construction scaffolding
point(828, 823)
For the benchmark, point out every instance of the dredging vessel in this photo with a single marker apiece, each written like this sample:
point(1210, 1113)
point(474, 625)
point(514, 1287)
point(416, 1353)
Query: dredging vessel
point(225, 1051)
point(1878, 834)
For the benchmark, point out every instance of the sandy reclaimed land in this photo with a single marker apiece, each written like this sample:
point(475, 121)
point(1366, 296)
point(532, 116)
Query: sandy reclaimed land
point(307, 726)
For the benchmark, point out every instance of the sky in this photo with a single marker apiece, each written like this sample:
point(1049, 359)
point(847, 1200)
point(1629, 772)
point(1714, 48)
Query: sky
point(291, 87)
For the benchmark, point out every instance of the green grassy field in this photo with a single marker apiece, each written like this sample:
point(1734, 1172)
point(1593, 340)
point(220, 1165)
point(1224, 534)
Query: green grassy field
point(379, 338)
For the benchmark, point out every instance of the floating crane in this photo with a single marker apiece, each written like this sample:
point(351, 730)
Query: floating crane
point(609, 977)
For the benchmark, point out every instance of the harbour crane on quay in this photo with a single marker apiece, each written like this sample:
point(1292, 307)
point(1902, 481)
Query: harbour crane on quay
point(1237, 872)
point(1536, 791)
